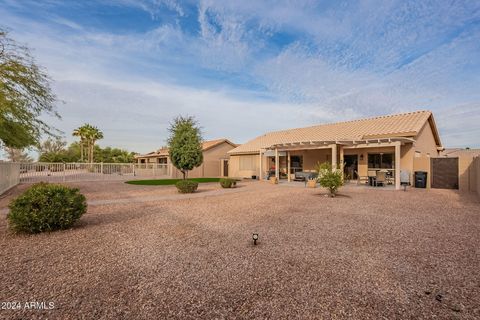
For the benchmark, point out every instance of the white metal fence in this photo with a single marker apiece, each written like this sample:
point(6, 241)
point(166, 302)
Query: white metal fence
point(13, 173)
point(9, 175)
point(63, 172)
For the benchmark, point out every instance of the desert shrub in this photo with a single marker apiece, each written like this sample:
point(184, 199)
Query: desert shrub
point(186, 186)
point(228, 183)
point(46, 207)
point(329, 177)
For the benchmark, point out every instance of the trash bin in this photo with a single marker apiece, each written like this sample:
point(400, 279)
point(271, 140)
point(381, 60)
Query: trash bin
point(420, 179)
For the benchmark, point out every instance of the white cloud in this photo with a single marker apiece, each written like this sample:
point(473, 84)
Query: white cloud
point(347, 61)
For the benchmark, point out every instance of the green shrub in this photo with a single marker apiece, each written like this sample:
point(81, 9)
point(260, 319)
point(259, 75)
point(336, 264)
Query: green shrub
point(186, 186)
point(329, 177)
point(228, 183)
point(46, 207)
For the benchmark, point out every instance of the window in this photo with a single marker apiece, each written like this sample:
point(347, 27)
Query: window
point(296, 162)
point(162, 160)
point(381, 160)
point(248, 163)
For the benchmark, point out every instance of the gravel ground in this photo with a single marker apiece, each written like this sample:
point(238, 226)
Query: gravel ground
point(366, 254)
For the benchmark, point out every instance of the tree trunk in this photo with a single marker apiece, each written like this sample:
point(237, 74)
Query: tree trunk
point(81, 150)
point(184, 174)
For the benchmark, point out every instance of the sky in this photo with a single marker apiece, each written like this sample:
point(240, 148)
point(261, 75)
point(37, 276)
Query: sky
point(243, 68)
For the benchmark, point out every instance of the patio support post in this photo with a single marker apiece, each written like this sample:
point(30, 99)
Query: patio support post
point(341, 160)
point(260, 170)
point(397, 165)
point(277, 163)
point(334, 156)
point(288, 166)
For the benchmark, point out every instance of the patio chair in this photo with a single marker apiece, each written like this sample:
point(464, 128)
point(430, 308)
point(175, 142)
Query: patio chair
point(381, 178)
point(372, 176)
point(301, 176)
point(361, 179)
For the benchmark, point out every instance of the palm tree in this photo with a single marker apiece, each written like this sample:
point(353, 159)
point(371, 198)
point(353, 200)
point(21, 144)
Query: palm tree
point(93, 135)
point(82, 132)
point(88, 136)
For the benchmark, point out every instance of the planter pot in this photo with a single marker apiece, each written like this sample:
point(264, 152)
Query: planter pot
point(273, 180)
point(311, 184)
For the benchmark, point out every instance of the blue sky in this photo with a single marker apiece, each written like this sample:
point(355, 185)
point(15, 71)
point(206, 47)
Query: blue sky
point(246, 67)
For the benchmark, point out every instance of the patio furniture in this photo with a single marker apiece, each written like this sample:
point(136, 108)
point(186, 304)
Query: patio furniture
point(304, 176)
point(372, 175)
point(273, 180)
point(381, 178)
point(404, 179)
point(390, 177)
point(361, 179)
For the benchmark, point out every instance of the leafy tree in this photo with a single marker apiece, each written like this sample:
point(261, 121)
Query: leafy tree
point(185, 144)
point(329, 177)
point(113, 155)
point(72, 154)
point(52, 145)
point(17, 155)
point(25, 94)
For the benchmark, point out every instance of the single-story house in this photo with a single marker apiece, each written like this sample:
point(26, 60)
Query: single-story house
point(392, 143)
point(215, 160)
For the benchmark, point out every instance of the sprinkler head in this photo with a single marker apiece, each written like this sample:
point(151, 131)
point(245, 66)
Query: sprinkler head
point(255, 238)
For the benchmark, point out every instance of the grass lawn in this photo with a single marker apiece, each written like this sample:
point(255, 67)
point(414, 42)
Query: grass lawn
point(167, 182)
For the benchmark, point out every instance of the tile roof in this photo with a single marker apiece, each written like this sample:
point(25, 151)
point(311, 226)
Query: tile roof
point(205, 146)
point(457, 152)
point(399, 125)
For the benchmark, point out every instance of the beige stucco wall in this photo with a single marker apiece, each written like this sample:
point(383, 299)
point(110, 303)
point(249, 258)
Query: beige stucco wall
point(421, 153)
point(425, 142)
point(234, 166)
point(312, 157)
point(469, 174)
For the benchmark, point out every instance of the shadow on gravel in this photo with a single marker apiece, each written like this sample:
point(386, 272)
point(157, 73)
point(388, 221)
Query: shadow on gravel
point(338, 195)
point(97, 219)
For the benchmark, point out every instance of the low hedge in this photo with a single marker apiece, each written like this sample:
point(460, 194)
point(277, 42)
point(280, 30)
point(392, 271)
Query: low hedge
point(186, 186)
point(46, 207)
point(228, 183)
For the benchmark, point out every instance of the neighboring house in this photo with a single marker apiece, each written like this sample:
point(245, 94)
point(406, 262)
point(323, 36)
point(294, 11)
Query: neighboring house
point(460, 152)
point(215, 160)
point(393, 143)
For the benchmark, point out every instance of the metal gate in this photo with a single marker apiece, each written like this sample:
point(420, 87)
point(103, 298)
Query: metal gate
point(444, 173)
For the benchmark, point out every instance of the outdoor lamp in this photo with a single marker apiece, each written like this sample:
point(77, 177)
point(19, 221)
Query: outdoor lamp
point(255, 238)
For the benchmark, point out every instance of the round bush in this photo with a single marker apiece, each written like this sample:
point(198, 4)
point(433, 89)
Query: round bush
point(46, 207)
point(186, 186)
point(228, 183)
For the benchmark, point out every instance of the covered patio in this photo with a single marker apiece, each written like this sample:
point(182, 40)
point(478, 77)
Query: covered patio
point(361, 160)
